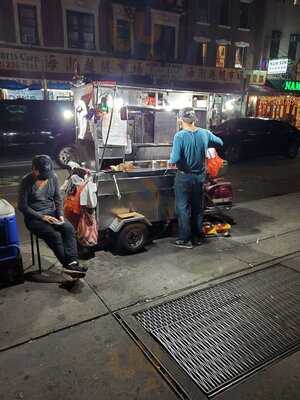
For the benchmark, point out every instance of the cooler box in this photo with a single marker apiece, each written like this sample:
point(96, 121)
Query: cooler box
point(9, 237)
point(11, 267)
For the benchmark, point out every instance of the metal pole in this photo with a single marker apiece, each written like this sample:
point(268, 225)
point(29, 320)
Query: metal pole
point(108, 131)
point(32, 248)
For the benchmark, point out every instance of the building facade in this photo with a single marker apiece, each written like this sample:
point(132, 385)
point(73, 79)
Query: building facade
point(277, 52)
point(279, 34)
point(201, 45)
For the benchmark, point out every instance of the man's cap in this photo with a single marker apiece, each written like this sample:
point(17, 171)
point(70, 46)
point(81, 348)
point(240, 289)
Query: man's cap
point(188, 115)
point(44, 165)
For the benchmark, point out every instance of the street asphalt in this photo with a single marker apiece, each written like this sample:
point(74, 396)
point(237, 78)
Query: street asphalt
point(57, 344)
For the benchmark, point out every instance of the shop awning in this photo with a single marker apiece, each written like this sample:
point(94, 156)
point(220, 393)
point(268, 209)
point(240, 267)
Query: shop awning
point(261, 90)
point(11, 84)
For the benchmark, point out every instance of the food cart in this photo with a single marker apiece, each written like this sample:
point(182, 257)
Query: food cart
point(136, 192)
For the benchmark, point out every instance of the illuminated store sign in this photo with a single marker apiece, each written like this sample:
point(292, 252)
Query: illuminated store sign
point(291, 86)
point(278, 66)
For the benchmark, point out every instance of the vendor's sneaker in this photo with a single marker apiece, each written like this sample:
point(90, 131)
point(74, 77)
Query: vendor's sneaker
point(75, 270)
point(184, 244)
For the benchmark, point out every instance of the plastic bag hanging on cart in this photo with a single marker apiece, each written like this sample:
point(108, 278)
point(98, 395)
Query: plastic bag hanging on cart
point(214, 163)
point(87, 230)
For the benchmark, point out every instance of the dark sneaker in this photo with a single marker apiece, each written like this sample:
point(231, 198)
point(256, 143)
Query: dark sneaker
point(184, 244)
point(75, 270)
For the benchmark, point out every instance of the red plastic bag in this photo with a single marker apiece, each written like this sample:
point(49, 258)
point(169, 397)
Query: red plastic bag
point(87, 230)
point(214, 164)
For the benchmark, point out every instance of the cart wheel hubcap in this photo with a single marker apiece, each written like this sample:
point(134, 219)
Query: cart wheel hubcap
point(135, 239)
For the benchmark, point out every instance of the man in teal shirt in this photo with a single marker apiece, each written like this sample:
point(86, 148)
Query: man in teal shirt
point(189, 153)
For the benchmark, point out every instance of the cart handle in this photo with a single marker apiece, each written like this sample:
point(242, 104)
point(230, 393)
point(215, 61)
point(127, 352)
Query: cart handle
point(117, 187)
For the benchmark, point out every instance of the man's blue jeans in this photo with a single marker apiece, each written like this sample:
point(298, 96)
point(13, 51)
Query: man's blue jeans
point(189, 205)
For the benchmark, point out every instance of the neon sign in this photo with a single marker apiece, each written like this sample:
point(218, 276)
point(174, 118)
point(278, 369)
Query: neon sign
point(291, 86)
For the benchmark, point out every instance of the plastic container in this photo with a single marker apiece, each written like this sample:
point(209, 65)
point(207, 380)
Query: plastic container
point(9, 236)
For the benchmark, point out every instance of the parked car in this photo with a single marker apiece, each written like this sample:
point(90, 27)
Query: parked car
point(30, 127)
point(246, 137)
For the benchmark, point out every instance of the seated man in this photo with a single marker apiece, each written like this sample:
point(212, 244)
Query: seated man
point(41, 204)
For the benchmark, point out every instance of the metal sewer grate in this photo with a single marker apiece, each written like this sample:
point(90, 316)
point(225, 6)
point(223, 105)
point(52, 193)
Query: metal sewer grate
point(220, 334)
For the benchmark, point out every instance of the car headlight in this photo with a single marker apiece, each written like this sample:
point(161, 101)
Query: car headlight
point(68, 114)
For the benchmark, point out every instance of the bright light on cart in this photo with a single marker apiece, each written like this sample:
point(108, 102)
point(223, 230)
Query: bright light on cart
point(229, 105)
point(67, 114)
point(119, 102)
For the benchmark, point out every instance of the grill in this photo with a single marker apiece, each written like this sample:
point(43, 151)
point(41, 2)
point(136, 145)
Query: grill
point(221, 334)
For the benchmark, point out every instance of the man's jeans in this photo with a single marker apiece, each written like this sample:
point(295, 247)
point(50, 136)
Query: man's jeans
point(189, 205)
point(60, 238)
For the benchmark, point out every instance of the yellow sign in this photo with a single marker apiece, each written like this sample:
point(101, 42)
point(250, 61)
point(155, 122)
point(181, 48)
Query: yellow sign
point(256, 77)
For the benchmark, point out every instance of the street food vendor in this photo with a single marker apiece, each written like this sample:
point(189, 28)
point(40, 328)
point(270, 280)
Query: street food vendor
point(188, 153)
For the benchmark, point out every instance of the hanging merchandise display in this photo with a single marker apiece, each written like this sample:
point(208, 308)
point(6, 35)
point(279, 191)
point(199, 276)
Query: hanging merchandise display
point(284, 108)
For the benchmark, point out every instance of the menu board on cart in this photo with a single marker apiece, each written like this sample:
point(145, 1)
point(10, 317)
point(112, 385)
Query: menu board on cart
point(165, 127)
point(118, 131)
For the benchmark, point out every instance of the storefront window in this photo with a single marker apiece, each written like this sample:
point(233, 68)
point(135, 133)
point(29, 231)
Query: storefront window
point(164, 42)
point(224, 13)
point(275, 43)
point(28, 24)
point(240, 57)
point(81, 30)
point(244, 15)
point(24, 94)
point(203, 53)
point(294, 39)
point(201, 9)
point(123, 36)
point(221, 56)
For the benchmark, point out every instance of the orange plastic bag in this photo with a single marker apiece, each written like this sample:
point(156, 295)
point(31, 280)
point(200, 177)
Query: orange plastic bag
point(72, 201)
point(213, 165)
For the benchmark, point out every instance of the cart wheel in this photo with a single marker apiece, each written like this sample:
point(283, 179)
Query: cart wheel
point(132, 237)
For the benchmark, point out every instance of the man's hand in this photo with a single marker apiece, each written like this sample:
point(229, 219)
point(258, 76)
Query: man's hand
point(171, 165)
point(61, 219)
point(49, 219)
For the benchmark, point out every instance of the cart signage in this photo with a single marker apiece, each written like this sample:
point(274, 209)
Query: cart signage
point(291, 86)
point(54, 65)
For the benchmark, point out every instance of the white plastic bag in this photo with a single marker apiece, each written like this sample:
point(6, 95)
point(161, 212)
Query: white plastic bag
point(88, 196)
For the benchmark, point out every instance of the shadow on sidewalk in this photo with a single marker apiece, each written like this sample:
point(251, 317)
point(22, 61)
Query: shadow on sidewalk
point(249, 222)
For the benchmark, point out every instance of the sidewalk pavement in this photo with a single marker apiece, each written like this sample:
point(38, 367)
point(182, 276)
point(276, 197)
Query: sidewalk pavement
point(58, 344)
